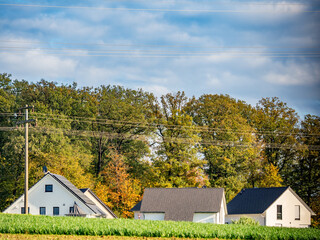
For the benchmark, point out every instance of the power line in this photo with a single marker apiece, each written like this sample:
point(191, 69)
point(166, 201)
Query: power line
point(223, 3)
point(165, 56)
point(151, 10)
point(157, 46)
point(98, 134)
point(104, 121)
point(139, 51)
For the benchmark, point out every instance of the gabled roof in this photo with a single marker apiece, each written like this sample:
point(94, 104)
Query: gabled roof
point(180, 204)
point(74, 190)
point(258, 200)
point(99, 200)
point(136, 207)
point(254, 200)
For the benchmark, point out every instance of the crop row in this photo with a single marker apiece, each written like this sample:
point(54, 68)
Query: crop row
point(10, 223)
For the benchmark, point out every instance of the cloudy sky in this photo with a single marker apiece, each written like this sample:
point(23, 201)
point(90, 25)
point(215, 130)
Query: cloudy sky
point(247, 49)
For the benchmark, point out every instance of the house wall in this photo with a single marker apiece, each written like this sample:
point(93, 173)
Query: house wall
point(205, 217)
point(101, 207)
point(138, 215)
point(258, 217)
point(154, 216)
point(222, 212)
point(288, 202)
point(60, 197)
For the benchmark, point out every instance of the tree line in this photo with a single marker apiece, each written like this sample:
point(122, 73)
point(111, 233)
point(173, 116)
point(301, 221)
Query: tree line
point(118, 141)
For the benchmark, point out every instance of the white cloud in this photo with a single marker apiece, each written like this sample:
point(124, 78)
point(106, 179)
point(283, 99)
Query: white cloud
point(293, 74)
point(36, 63)
point(157, 90)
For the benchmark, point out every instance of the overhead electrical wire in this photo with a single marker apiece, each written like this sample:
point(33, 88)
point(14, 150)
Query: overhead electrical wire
point(165, 56)
point(139, 51)
point(146, 138)
point(123, 123)
point(206, 1)
point(156, 46)
point(153, 10)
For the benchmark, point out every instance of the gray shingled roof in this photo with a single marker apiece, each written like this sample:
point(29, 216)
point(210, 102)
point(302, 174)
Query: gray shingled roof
point(99, 200)
point(180, 204)
point(79, 194)
point(72, 188)
point(254, 200)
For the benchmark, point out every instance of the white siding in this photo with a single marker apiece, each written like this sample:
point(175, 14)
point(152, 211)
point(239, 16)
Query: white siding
point(101, 207)
point(138, 215)
point(154, 216)
point(222, 212)
point(288, 202)
point(258, 217)
point(205, 217)
point(60, 197)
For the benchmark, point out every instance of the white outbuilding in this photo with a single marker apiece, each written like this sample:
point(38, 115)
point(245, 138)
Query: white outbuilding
point(54, 195)
point(205, 205)
point(276, 206)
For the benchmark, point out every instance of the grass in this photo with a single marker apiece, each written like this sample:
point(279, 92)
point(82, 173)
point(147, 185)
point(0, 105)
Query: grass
point(23, 224)
point(77, 237)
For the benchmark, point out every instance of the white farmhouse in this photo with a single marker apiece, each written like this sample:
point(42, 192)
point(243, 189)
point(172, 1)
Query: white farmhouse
point(54, 195)
point(277, 206)
point(206, 205)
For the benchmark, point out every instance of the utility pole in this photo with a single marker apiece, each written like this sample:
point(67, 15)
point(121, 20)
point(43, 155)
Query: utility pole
point(26, 177)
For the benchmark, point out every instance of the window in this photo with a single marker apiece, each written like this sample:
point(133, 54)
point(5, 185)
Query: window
point(23, 211)
point(279, 212)
point(55, 211)
point(71, 209)
point(297, 212)
point(42, 211)
point(49, 188)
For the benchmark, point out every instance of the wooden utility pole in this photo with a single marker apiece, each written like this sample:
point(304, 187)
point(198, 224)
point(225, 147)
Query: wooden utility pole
point(26, 177)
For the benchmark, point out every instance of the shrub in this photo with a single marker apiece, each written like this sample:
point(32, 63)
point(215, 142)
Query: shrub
point(246, 221)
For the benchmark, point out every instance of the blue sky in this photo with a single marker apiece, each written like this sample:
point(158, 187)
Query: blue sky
point(247, 49)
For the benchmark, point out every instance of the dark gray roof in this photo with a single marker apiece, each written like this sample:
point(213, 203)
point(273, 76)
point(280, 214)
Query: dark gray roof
point(254, 200)
point(72, 188)
point(79, 194)
point(180, 204)
point(136, 207)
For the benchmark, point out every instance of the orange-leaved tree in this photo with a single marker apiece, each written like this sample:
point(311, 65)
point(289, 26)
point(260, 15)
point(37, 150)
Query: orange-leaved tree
point(117, 188)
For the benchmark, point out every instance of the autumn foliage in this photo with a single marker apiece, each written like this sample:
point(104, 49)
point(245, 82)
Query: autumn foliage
point(116, 188)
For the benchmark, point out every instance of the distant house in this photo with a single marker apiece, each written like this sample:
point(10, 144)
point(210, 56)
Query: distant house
point(277, 206)
point(54, 195)
point(206, 205)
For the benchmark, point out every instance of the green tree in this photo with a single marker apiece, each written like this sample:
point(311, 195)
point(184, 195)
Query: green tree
point(270, 177)
point(306, 172)
point(276, 125)
point(228, 142)
point(122, 115)
point(177, 162)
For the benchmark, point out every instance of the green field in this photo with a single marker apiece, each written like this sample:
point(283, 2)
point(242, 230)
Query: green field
point(6, 236)
point(23, 224)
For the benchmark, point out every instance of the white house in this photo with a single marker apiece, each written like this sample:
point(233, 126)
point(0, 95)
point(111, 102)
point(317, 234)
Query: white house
point(54, 195)
point(206, 205)
point(277, 206)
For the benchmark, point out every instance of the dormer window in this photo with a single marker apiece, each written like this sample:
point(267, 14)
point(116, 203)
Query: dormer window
point(48, 188)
